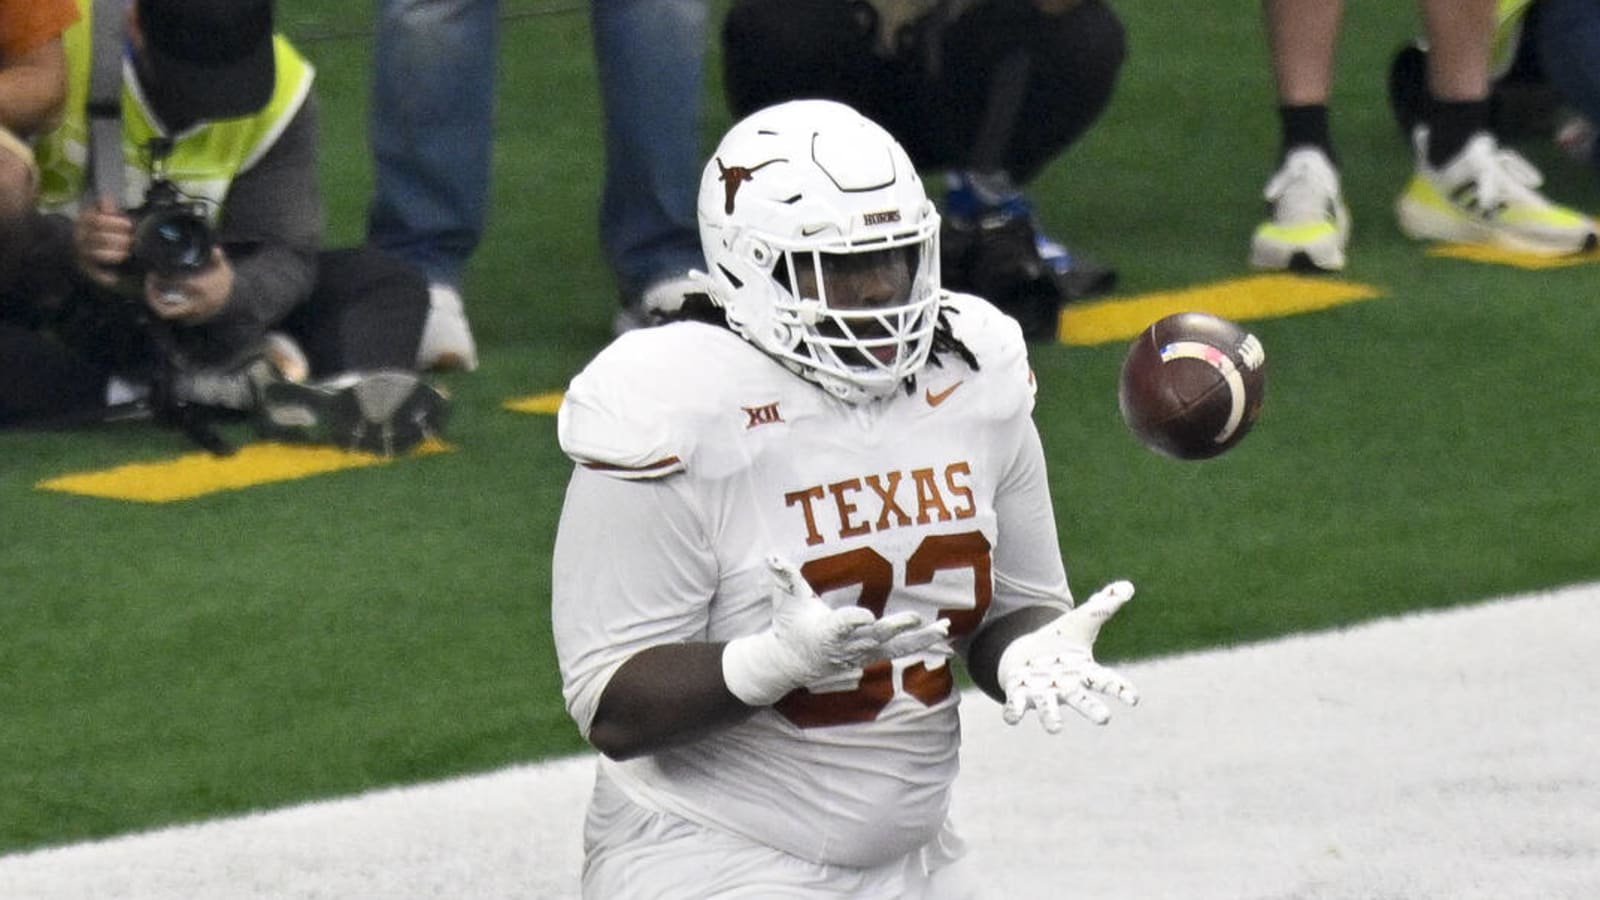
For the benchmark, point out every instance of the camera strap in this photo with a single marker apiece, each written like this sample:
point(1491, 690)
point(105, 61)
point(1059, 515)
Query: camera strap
point(107, 178)
point(105, 100)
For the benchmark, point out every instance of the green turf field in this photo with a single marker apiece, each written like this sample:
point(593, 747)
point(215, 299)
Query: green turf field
point(381, 625)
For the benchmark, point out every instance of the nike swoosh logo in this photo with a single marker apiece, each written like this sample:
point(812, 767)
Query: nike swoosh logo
point(936, 399)
point(808, 231)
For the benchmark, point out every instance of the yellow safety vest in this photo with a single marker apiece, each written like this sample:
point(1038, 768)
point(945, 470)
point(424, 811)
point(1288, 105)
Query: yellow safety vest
point(203, 161)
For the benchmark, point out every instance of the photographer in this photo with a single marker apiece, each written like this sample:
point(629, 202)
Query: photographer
point(174, 287)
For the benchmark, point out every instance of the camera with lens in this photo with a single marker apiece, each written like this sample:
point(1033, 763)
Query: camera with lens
point(171, 235)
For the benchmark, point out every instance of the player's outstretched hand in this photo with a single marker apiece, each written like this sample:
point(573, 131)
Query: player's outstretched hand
point(1054, 665)
point(810, 641)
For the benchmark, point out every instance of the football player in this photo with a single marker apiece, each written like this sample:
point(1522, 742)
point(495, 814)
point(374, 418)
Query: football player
point(782, 523)
point(988, 92)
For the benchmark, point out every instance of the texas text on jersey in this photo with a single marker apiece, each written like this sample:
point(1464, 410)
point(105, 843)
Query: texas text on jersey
point(891, 505)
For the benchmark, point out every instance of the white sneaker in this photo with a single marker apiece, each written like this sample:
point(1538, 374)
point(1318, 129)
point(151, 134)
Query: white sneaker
point(446, 337)
point(665, 297)
point(1310, 224)
point(1487, 195)
point(662, 298)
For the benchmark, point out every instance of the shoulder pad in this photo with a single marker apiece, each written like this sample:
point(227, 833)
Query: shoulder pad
point(995, 339)
point(635, 410)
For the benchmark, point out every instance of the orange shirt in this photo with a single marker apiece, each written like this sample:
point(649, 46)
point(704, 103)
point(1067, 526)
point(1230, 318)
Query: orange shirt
point(25, 25)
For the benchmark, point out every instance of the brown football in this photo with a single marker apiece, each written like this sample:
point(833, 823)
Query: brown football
point(1192, 385)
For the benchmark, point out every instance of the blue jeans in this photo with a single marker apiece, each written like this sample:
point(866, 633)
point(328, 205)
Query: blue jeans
point(1569, 52)
point(650, 55)
point(430, 128)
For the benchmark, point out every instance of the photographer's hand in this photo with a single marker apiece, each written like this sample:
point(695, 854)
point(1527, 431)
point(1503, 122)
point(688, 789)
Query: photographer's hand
point(103, 238)
point(193, 298)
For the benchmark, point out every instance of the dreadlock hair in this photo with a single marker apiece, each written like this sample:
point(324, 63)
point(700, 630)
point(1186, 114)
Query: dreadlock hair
point(944, 341)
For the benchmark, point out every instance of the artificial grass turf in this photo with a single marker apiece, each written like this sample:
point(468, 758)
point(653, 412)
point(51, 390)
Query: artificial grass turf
point(377, 626)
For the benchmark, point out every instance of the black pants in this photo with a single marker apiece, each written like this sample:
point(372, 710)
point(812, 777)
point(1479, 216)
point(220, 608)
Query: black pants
point(1004, 87)
point(365, 312)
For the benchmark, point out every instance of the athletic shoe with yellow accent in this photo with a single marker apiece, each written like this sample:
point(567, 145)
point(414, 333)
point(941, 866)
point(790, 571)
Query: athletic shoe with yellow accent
point(1310, 224)
point(1488, 195)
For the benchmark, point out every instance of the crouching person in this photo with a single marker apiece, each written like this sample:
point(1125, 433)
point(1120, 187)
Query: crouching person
point(200, 285)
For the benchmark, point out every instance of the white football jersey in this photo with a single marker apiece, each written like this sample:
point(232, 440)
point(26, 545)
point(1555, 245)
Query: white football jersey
point(698, 456)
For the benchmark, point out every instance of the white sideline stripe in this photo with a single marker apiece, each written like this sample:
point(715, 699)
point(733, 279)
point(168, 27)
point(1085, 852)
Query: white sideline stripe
point(1439, 755)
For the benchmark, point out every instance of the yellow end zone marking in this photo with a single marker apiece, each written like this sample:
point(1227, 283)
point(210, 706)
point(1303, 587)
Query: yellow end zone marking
point(544, 404)
point(198, 474)
point(1497, 256)
point(1255, 297)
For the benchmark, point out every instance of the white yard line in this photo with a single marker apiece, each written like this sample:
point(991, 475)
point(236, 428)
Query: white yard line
point(1451, 755)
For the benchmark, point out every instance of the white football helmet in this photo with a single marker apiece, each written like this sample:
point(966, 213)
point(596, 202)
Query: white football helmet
point(806, 198)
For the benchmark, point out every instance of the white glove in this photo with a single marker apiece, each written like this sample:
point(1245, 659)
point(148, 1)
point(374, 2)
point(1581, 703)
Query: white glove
point(1055, 664)
point(810, 642)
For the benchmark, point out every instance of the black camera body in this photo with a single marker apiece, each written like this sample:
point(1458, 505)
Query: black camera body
point(171, 234)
